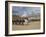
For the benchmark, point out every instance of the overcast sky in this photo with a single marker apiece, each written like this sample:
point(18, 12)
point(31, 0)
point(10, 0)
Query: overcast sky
point(16, 10)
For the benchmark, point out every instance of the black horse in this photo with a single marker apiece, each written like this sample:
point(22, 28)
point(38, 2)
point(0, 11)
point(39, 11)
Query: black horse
point(19, 21)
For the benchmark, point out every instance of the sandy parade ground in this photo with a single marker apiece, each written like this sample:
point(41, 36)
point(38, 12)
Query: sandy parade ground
point(31, 25)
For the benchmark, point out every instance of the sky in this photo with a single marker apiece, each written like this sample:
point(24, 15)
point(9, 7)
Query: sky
point(24, 11)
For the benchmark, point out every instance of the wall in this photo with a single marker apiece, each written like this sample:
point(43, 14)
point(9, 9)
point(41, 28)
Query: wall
point(2, 19)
